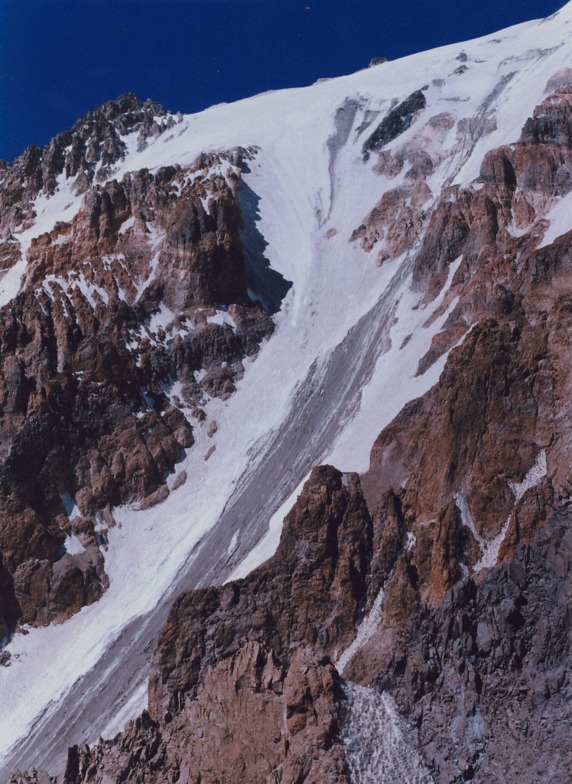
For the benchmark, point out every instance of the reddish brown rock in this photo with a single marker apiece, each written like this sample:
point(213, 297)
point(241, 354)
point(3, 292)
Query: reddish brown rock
point(115, 305)
point(243, 686)
point(396, 222)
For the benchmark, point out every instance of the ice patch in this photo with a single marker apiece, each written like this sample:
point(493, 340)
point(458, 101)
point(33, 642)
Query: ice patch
point(161, 319)
point(95, 295)
point(533, 477)
point(410, 541)
point(90, 290)
point(154, 240)
point(233, 544)
point(490, 550)
point(128, 224)
point(62, 239)
point(559, 217)
point(222, 317)
point(175, 394)
point(515, 232)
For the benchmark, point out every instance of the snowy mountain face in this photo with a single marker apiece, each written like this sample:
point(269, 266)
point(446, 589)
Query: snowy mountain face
point(285, 450)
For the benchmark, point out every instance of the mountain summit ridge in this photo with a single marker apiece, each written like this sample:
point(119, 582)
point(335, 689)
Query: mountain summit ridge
point(160, 416)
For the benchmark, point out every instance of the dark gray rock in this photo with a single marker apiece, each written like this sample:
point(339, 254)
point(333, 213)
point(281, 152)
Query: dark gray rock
point(486, 678)
point(395, 123)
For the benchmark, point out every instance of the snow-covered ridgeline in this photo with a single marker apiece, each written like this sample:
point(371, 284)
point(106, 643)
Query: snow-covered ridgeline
point(529, 54)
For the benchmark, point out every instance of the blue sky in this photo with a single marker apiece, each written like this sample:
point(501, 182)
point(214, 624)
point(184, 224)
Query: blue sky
point(60, 58)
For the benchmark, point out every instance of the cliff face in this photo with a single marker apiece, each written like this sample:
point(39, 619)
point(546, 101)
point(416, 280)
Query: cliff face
point(248, 666)
point(469, 485)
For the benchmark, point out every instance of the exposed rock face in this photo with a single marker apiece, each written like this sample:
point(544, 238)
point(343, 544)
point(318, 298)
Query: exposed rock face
point(145, 286)
point(395, 122)
point(89, 150)
point(464, 484)
point(396, 223)
point(485, 676)
point(248, 665)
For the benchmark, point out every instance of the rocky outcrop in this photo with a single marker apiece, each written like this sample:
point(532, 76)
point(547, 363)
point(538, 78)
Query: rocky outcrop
point(396, 223)
point(469, 486)
point(485, 676)
point(272, 725)
point(396, 121)
point(248, 666)
point(144, 287)
point(473, 469)
point(87, 152)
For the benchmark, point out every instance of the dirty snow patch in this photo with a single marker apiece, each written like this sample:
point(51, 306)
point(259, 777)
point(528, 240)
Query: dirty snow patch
point(377, 744)
point(533, 477)
point(73, 545)
point(367, 629)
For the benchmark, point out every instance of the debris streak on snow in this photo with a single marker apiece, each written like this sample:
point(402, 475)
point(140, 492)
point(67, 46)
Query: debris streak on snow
point(134, 705)
point(266, 547)
point(378, 747)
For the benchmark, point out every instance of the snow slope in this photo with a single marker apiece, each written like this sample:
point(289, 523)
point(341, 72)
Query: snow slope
point(322, 388)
